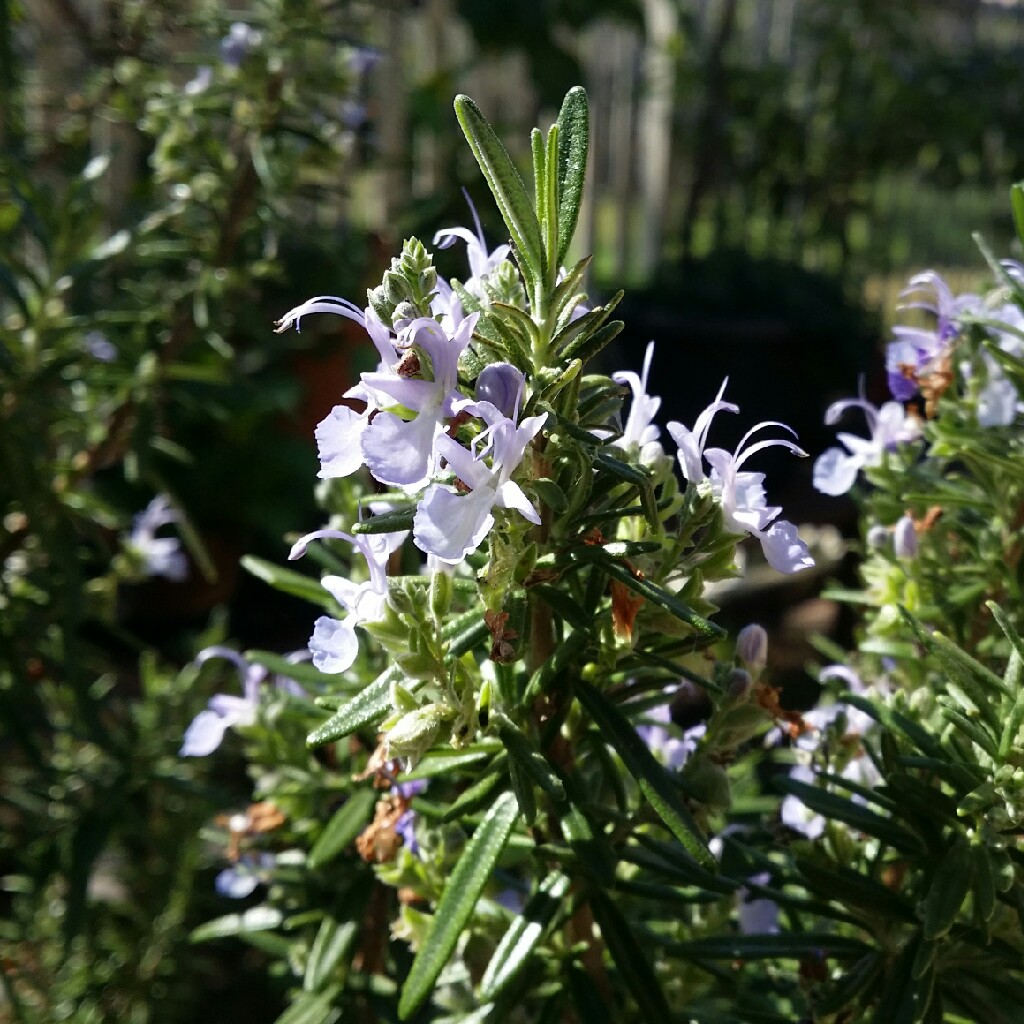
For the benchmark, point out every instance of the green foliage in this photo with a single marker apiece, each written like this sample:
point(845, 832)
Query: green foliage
point(140, 232)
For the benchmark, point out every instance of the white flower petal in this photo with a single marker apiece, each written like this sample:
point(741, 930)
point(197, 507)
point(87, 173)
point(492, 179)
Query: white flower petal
point(334, 644)
point(204, 735)
point(450, 525)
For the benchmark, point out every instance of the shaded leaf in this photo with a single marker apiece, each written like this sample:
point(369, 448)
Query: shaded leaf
point(650, 776)
point(346, 823)
point(631, 959)
point(523, 935)
point(460, 895)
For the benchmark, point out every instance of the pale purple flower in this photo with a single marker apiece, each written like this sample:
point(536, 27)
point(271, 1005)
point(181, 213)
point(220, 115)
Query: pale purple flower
point(240, 880)
point(917, 349)
point(363, 59)
point(757, 914)
point(904, 538)
point(161, 556)
point(511, 899)
point(859, 768)
point(501, 384)
point(691, 443)
point(352, 114)
point(224, 710)
point(836, 470)
point(671, 749)
point(794, 813)
point(240, 41)
point(997, 401)
point(741, 494)
point(334, 644)
point(752, 648)
point(339, 435)
point(481, 261)
point(448, 524)
point(99, 346)
point(400, 451)
point(639, 432)
point(405, 826)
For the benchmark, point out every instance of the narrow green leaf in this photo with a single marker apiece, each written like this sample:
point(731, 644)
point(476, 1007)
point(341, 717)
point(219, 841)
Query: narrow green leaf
point(671, 862)
point(388, 522)
point(653, 593)
point(587, 841)
point(563, 606)
point(300, 671)
point(569, 284)
point(288, 581)
point(346, 823)
point(366, 707)
point(1017, 203)
point(332, 943)
point(540, 179)
point(480, 794)
point(855, 890)
point(507, 187)
point(984, 884)
point(573, 141)
point(587, 346)
point(523, 935)
point(256, 919)
point(971, 729)
point(980, 682)
point(547, 205)
point(590, 1005)
point(459, 898)
point(948, 890)
point(650, 776)
point(448, 759)
point(522, 787)
point(631, 958)
point(529, 759)
point(312, 1008)
point(838, 808)
point(903, 998)
point(841, 992)
point(564, 655)
point(514, 315)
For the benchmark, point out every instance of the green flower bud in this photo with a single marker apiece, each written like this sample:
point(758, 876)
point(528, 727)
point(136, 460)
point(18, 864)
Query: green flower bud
point(415, 732)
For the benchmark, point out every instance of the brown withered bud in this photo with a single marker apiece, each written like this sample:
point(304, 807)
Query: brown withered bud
point(379, 842)
point(408, 365)
point(625, 605)
point(502, 647)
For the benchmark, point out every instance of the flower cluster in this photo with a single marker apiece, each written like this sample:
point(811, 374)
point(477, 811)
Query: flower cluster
point(741, 494)
point(922, 363)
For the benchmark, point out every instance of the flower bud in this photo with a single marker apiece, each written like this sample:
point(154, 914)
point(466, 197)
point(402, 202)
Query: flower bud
point(739, 683)
point(441, 592)
point(414, 733)
point(501, 384)
point(709, 783)
point(752, 648)
point(904, 538)
point(877, 537)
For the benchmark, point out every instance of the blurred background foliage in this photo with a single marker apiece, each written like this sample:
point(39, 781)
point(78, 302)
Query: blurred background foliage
point(173, 176)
